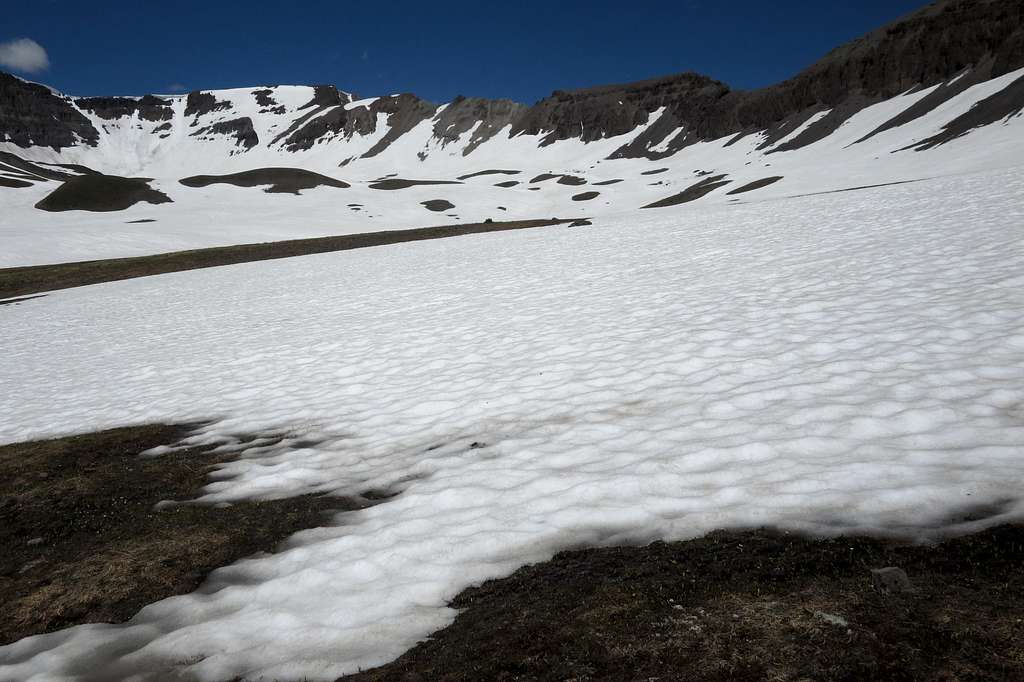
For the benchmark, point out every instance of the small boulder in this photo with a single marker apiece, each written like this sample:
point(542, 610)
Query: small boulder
point(891, 580)
point(832, 619)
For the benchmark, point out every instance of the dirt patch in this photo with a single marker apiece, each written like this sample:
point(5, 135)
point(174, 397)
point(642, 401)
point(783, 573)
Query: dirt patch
point(399, 183)
point(101, 193)
point(76, 167)
point(854, 189)
point(138, 222)
point(277, 180)
point(13, 183)
point(18, 174)
point(655, 171)
point(692, 193)
point(507, 183)
point(489, 172)
point(36, 278)
point(18, 301)
point(571, 180)
point(608, 182)
point(83, 541)
point(41, 171)
point(241, 129)
point(438, 205)
point(756, 184)
point(740, 606)
point(586, 196)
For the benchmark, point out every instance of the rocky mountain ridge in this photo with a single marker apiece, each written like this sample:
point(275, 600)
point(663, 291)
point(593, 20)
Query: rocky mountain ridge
point(976, 39)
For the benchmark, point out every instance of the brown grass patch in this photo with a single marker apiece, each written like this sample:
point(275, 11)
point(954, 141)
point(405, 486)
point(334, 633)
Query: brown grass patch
point(36, 278)
point(740, 606)
point(83, 541)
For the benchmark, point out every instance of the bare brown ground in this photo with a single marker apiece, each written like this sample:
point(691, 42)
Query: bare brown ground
point(740, 606)
point(84, 542)
point(34, 279)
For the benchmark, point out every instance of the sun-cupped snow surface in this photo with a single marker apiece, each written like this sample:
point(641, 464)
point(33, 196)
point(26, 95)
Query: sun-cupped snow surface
point(851, 361)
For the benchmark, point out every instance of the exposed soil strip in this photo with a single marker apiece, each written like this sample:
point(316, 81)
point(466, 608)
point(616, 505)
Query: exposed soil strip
point(18, 163)
point(399, 183)
point(37, 278)
point(756, 184)
point(741, 606)
point(15, 174)
point(571, 180)
point(855, 189)
point(692, 193)
point(489, 172)
point(586, 196)
point(276, 180)
point(15, 301)
point(11, 171)
point(84, 543)
point(608, 182)
point(655, 171)
point(14, 183)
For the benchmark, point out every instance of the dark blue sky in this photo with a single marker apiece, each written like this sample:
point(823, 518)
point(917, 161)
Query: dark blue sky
point(522, 49)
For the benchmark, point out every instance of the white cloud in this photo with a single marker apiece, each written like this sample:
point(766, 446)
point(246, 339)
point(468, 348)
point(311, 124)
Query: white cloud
point(24, 54)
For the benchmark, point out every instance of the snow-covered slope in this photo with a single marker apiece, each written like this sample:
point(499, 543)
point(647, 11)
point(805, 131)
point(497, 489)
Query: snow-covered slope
point(226, 214)
point(833, 362)
point(938, 93)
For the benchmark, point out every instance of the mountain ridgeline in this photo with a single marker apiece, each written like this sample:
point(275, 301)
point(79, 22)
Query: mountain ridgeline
point(975, 39)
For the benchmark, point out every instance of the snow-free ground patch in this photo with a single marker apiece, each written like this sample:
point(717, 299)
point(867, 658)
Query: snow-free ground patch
point(101, 193)
point(740, 607)
point(90, 532)
point(273, 180)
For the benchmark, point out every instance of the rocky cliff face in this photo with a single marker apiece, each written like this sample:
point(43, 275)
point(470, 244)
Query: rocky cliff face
point(331, 121)
point(593, 113)
point(485, 118)
point(928, 47)
point(241, 129)
point(984, 37)
point(33, 115)
point(974, 39)
point(149, 108)
point(200, 103)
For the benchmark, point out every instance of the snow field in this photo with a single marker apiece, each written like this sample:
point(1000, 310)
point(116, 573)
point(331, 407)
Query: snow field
point(845, 362)
point(223, 215)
